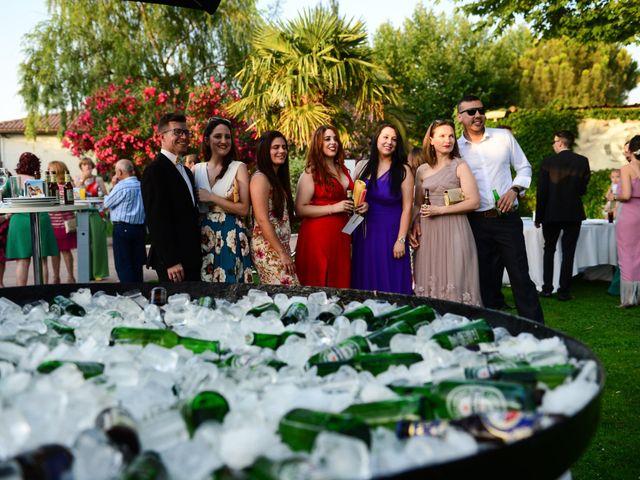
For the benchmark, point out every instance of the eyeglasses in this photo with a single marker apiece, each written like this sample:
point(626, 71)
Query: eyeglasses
point(179, 131)
point(224, 121)
point(472, 111)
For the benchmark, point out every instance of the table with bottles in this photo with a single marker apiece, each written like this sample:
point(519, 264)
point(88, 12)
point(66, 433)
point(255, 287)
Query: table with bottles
point(596, 246)
point(82, 233)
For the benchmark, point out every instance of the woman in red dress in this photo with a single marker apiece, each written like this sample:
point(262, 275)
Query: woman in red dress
point(323, 251)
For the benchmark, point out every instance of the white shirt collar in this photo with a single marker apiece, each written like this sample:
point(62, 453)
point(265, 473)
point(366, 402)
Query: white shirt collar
point(486, 134)
point(171, 156)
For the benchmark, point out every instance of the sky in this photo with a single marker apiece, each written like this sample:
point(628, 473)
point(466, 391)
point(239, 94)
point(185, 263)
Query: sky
point(24, 16)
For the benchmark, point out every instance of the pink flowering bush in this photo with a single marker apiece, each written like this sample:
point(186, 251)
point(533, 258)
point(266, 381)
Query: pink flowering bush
point(119, 121)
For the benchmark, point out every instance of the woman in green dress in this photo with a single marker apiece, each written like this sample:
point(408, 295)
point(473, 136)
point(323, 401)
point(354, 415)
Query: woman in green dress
point(19, 235)
point(95, 188)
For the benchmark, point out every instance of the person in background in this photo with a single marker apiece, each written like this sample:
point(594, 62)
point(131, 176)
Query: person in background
point(446, 260)
point(19, 235)
point(93, 184)
point(170, 206)
point(562, 182)
point(4, 227)
point(380, 253)
point(95, 188)
point(127, 215)
point(628, 226)
point(611, 207)
point(190, 160)
point(67, 240)
point(223, 191)
point(496, 225)
point(323, 256)
point(272, 203)
point(415, 159)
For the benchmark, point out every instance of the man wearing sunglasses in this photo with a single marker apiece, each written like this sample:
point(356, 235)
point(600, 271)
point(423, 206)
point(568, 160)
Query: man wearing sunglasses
point(169, 197)
point(496, 225)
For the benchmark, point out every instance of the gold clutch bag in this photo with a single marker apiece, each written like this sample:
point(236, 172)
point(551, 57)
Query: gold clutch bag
point(453, 196)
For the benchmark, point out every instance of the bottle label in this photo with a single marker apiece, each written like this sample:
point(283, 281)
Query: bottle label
point(340, 353)
point(465, 400)
point(510, 426)
point(464, 337)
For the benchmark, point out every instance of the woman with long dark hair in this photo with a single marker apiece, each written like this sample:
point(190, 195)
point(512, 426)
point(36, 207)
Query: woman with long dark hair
point(380, 251)
point(446, 259)
point(223, 192)
point(272, 203)
point(323, 251)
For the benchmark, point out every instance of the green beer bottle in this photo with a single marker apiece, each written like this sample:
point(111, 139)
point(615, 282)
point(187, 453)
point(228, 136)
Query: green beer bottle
point(417, 317)
point(207, 301)
point(164, 338)
point(332, 311)
point(243, 360)
point(496, 199)
point(146, 466)
point(265, 307)
point(383, 337)
point(490, 370)
point(362, 312)
point(345, 350)
point(297, 312)
point(387, 413)
point(270, 340)
point(478, 331)
point(204, 406)
point(552, 375)
point(381, 361)
point(62, 304)
point(382, 320)
point(461, 398)
point(60, 328)
point(88, 369)
point(300, 427)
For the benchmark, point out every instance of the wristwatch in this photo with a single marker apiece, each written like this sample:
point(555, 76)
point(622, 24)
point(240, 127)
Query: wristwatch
point(401, 240)
point(517, 189)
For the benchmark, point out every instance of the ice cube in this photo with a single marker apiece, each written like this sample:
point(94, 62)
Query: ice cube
point(14, 431)
point(163, 431)
point(570, 398)
point(376, 392)
point(191, 460)
point(319, 298)
point(341, 457)
point(160, 358)
point(94, 457)
point(240, 447)
point(401, 343)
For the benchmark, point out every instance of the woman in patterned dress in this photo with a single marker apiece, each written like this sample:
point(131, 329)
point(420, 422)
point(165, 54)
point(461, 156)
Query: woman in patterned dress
point(272, 208)
point(223, 192)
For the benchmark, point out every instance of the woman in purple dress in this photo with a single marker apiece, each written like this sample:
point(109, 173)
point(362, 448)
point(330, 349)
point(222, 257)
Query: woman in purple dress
point(380, 255)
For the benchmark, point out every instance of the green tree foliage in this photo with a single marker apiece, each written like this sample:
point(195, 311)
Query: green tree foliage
point(313, 70)
point(434, 60)
point(566, 73)
point(88, 44)
point(612, 21)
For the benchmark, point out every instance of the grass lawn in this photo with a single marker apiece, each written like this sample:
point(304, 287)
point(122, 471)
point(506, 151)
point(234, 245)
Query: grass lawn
point(613, 335)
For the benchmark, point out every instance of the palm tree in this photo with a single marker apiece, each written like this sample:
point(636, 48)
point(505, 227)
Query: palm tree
point(313, 70)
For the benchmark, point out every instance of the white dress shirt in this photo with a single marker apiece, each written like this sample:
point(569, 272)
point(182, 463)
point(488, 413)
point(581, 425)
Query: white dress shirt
point(491, 160)
point(180, 167)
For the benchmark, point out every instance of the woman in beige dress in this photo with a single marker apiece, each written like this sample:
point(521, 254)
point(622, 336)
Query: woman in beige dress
point(446, 260)
point(272, 203)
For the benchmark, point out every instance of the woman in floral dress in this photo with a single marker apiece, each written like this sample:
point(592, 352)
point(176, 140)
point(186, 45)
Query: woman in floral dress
point(223, 192)
point(272, 208)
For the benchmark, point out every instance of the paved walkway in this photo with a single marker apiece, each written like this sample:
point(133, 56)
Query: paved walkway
point(10, 270)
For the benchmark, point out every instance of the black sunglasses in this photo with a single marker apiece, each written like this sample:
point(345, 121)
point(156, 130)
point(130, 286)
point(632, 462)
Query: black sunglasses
point(224, 121)
point(472, 111)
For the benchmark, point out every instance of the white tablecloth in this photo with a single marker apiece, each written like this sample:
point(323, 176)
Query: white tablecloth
point(596, 246)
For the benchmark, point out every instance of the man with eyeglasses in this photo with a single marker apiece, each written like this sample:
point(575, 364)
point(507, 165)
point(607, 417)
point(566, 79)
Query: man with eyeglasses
point(170, 204)
point(496, 225)
point(562, 181)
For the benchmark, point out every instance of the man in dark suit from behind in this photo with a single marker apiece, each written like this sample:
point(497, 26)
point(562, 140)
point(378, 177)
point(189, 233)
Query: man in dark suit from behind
point(170, 204)
point(562, 181)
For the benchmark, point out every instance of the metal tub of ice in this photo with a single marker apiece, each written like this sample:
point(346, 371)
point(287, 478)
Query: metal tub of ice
point(277, 394)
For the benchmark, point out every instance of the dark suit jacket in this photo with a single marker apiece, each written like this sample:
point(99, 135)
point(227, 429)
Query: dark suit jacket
point(172, 219)
point(562, 181)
